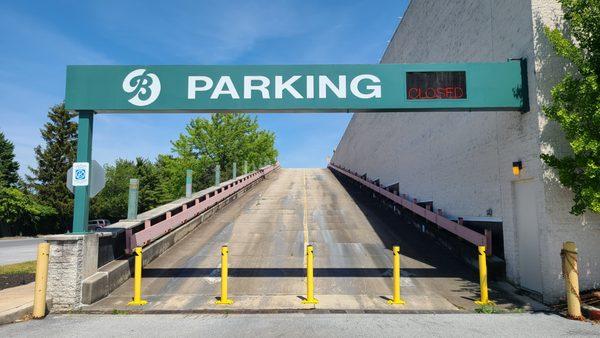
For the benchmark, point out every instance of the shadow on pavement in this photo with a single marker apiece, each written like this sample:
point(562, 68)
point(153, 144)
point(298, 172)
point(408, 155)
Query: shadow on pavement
point(291, 272)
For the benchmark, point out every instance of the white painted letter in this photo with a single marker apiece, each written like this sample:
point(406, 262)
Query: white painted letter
point(310, 87)
point(249, 87)
point(325, 82)
point(375, 90)
point(225, 81)
point(280, 86)
point(193, 88)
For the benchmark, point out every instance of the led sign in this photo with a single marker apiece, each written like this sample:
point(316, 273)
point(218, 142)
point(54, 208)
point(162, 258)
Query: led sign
point(436, 85)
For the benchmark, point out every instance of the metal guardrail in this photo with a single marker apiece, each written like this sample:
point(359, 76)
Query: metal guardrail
point(165, 222)
point(457, 229)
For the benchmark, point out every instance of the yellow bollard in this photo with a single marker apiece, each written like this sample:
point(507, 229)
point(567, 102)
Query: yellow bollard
point(310, 287)
point(41, 280)
point(224, 272)
point(569, 266)
point(396, 300)
point(483, 277)
point(137, 279)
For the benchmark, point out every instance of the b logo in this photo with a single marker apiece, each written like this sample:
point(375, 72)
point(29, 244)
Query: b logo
point(146, 87)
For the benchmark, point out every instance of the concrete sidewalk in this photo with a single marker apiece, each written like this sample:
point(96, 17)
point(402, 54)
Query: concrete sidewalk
point(17, 303)
point(303, 325)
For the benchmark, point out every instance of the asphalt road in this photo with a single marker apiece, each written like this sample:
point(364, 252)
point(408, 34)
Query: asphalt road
point(267, 230)
point(303, 325)
point(18, 250)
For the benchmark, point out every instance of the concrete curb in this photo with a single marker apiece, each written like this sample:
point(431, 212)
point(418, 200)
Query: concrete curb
point(20, 312)
point(272, 311)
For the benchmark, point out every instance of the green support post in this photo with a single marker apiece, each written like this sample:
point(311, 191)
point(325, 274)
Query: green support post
point(245, 167)
point(132, 204)
point(234, 174)
point(81, 206)
point(188, 183)
point(217, 174)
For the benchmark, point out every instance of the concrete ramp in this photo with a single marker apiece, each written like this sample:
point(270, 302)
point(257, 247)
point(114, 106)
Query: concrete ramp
point(267, 230)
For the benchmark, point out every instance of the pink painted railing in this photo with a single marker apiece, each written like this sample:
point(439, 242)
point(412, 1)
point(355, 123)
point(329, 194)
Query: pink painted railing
point(457, 229)
point(190, 209)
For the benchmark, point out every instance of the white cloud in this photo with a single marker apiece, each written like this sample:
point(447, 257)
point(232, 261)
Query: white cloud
point(32, 75)
point(41, 44)
point(209, 31)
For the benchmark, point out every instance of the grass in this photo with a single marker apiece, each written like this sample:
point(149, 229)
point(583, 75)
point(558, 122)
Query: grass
point(487, 309)
point(119, 312)
point(491, 308)
point(18, 268)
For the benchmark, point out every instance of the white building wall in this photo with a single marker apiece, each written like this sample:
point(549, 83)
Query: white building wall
point(558, 225)
point(463, 160)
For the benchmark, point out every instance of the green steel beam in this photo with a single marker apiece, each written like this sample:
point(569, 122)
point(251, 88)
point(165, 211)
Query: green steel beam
point(269, 88)
point(188, 183)
point(81, 207)
point(132, 204)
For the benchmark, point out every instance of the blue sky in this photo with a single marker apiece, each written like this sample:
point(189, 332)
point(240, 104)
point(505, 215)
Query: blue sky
point(39, 38)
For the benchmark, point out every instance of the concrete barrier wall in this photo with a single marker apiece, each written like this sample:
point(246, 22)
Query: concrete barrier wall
point(463, 160)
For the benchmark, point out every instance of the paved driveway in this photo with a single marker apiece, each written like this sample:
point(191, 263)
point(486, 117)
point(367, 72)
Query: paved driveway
point(303, 325)
point(267, 230)
point(18, 250)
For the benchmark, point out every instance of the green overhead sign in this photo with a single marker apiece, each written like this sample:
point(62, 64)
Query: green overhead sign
point(379, 87)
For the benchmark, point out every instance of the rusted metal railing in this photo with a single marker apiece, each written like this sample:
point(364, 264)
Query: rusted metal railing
point(455, 228)
point(166, 221)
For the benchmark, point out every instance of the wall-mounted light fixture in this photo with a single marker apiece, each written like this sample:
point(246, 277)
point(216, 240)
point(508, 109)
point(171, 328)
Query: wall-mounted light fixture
point(517, 167)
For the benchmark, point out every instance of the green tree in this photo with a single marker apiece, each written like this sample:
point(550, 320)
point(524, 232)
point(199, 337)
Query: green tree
point(576, 103)
point(21, 213)
point(8, 166)
point(226, 138)
point(222, 139)
point(53, 161)
point(172, 169)
point(111, 202)
point(262, 148)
